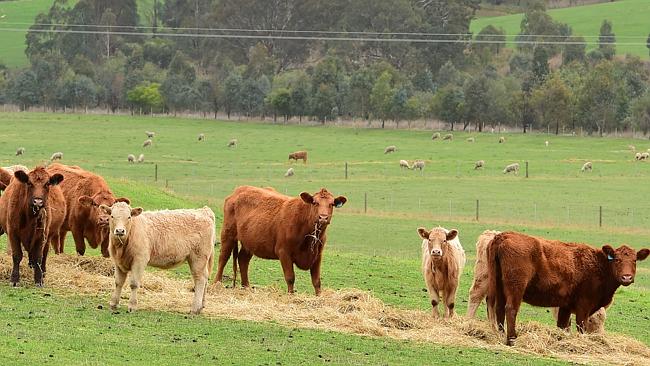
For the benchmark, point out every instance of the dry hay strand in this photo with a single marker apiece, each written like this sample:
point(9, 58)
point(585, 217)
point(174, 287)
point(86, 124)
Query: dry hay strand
point(348, 310)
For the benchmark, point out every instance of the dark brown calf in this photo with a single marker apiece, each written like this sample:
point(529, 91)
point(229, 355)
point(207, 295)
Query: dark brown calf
point(297, 155)
point(576, 278)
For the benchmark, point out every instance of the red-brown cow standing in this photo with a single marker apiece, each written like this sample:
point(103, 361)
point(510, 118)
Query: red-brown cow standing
point(32, 210)
point(271, 225)
point(575, 277)
point(84, 192)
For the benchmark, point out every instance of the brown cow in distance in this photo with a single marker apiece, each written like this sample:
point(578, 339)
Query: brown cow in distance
point(271, 225)
point(32, 210)
point(575, 277)
point(84, 192)
point(297, 155)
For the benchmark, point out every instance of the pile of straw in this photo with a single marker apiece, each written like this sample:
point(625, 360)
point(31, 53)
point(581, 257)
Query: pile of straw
point(348, 310)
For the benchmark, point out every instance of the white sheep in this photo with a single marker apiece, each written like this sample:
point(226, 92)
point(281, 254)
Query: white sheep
point(56, 156)
point(201, 137)
point(131, 158)
point(586, 166)
point(418, 164)
point(289, 172)
point(390, 149)
point(404, 164)
point(141, 158)
point(637, 156)
point(435, 136)
point(147, 143)
point(479, 164)
point(20, 151)
point(546, 143)
point(645, 156)
point(502, 139)
point(448, 137)
point(232, 143)
point(150, 134)
point(512, 168)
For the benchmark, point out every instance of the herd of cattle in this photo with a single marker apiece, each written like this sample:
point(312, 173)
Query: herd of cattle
point(40, 206)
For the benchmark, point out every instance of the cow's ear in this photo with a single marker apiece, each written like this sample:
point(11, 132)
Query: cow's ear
point(56, 179)
point(451, 235)
point(136, 211)
point(307, 198)
point(642, 254)
point(123, 199)
point(424, 234)
point(107, 210)
point(21, 176)
point(86, 201)
point(340, 201)
point(609, 252)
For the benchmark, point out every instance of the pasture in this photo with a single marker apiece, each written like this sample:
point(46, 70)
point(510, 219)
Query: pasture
point(375, 249)
point(629, 19)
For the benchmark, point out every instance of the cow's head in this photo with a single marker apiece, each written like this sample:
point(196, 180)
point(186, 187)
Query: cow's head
point(120, 215)
point(324, 202)
point(435, 240)
point(100, 198)
point(5, 179)
point(38, 183)
point(622, 262)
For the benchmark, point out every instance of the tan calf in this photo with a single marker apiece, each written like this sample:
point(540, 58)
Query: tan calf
point(162, 239)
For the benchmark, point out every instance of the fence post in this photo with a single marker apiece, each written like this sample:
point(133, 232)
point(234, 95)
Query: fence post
point(526, 169)
point(600, 216)
point(156, 173)
point(365, 202)
point(166, 183)
point(346, 170)
point(477, 210)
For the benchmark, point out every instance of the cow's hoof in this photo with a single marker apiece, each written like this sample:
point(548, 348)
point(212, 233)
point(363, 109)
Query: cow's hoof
point(511, 341)
point(14, 284)
point(38, 284)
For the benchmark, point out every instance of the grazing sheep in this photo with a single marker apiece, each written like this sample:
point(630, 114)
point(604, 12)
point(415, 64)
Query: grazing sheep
point(418, 164)
point(20, 151)
point(479, 164)
point(390, 149)
point(586, 166)
point(637, 156)
point(141, 158)
point(147, 143)
point(470, 139)
point(512, 168)
point(502, 139)
point(546, 143)
point(56, 156)
point(289, 173)
point(448, 137)
point(150, 134)
point(435, 136)
point(131, 158)
point(201, 137)
point(645, 156)
point(404, 164)
point(232, 143)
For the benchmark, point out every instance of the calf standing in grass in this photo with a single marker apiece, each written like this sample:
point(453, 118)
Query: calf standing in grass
point(298, 155)
point(443, 259)
point(162, 239)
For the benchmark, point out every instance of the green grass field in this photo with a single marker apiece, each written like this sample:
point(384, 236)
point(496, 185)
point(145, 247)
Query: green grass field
point(376, 251)
point(629, 18)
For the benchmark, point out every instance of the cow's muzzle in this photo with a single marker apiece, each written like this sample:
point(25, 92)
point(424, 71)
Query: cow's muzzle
point(103, 221)
point(120, 232)
point(627, 280)
point(37, 203)
point(436, 253)
point(323, 219)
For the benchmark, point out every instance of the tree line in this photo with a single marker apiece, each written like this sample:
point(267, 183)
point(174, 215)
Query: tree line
point(547, 81)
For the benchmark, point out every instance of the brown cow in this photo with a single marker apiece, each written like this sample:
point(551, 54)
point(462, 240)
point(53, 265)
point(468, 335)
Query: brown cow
point(271, 225)
point(5, 178)
point(84, 192)
point(479, 289)
point(32, 210)
point(575, 277)
point(297, 155)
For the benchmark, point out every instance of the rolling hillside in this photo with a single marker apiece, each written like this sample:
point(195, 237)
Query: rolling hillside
point(629, 17)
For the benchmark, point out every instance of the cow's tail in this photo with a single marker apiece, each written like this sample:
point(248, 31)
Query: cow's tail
point(235, 254)
point(495, 279)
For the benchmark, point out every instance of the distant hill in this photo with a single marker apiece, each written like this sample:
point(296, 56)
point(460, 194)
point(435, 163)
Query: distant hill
point(629, 17)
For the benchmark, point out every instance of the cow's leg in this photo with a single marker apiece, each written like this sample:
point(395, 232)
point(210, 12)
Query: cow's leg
point(513, 302)
point(228, 243)
point(563, 318)
point(434, 296)
point(17, 256)
point(500, 309)
point(315, 274)
point(287, 268)
point(79, 241)
point(581, 319)
point(59, 243)
point(120, 278)
point(104, 248)
point(46, 250)
point(137, 270)
point(198, 266)
point(36, 258)
point(244, 259)
point(450, 298)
